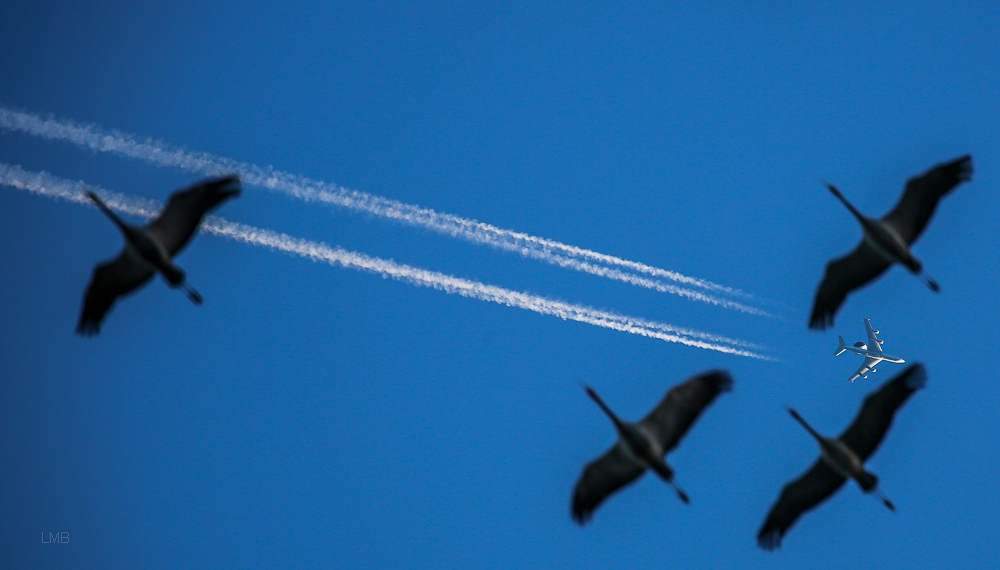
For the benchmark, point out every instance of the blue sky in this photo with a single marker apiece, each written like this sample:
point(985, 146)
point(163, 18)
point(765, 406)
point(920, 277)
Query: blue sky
point(316, 416)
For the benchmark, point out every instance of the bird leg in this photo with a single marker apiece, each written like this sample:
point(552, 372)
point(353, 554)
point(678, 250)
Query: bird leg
point(930, 282)
point(885, 500)
point(680, 492)
point(191, 293)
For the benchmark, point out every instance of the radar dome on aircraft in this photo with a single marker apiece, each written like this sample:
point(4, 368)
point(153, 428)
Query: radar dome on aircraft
point(860, 345)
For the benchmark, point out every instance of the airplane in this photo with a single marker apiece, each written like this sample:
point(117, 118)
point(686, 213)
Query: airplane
point(872, 352)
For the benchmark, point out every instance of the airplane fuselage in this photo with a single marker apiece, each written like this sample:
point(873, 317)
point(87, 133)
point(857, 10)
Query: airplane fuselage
point(875, 355)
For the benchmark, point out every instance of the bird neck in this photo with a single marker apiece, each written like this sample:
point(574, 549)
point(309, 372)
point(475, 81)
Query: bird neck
point(808, 427)
point(597, 399)
point(125, 228)
point(861, 217)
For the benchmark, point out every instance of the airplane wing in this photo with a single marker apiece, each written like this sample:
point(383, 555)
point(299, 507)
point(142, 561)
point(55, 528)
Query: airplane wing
point(867, 365)
point(874, 345)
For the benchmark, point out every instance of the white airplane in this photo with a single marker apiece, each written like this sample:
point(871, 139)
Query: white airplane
point(872, 352)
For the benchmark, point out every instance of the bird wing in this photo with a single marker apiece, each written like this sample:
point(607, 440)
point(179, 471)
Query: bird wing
point(673, 416)
point(601, 478)
point(111, 280)
point(179, 220)
point(870, 426)
point(843, 276)
point(797, 498)
point(921, 196)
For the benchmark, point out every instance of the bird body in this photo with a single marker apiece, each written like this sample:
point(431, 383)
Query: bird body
point(150, 249)
point(642, 445)
point(639, 445)
point(142, 246)
point(887, 240)
point(882, 237)
point(842, 458)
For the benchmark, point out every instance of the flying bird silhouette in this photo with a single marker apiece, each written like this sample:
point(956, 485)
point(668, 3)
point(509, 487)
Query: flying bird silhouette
point(887, 240)
point(842, 457)
point(643, 445)
point(150, 249)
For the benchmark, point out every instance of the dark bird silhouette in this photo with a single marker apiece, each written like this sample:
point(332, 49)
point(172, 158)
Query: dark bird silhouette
point(644, 444)
point(150, 249)
point(842, 457)
point(887, 240)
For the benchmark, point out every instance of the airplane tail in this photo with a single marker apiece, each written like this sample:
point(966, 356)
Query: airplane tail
point(842, 347)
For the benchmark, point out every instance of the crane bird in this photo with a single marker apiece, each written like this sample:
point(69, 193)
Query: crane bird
point(887, 240)
point(842, 458)
point(643, 445)
point(150, 249)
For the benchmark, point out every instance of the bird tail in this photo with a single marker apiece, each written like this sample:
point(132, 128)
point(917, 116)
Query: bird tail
point(869, 484)
point(867, 481)
point(173, 274)
point(176, 277)
point(842, 347)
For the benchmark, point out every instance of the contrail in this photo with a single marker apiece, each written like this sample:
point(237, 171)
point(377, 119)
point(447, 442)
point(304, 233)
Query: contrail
point(45, 184)
point(550, 251)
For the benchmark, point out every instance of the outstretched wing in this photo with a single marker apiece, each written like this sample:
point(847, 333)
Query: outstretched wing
point(673, 416)
point(601, 478)
point(866, 366)
point(865, 434)
point(111, 280)
point(181, 217)
point(922, 194)
point(874, 344)
point(842, 276)
point(798, 497)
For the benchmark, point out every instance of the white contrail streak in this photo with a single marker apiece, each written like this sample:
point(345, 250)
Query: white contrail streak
point(550, 251)
point(48, 185)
